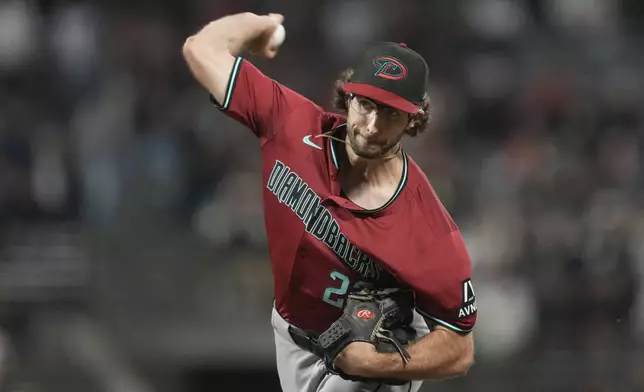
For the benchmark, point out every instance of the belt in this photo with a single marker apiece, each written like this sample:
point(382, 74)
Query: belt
point(306, 340)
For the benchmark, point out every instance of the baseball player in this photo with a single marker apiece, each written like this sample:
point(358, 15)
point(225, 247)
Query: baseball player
point(345, 208)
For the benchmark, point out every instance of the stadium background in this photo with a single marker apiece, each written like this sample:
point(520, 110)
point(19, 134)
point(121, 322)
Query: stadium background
point(132, 251)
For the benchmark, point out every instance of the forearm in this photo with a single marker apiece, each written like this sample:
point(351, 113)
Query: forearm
point(440, 354)
point(231, 33)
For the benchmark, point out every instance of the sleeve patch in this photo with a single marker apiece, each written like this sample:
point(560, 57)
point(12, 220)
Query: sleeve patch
point(468, 308)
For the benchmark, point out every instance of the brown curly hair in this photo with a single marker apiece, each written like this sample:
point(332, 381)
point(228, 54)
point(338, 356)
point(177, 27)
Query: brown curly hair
point(418, 122)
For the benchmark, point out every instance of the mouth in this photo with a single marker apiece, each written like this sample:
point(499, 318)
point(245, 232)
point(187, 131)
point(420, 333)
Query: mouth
point(369, 141)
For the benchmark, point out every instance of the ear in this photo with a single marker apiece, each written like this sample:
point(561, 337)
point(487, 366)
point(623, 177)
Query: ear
point(413, 120)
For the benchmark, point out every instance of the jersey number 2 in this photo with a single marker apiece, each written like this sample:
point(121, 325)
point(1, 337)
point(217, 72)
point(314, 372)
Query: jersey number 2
point(338, 292)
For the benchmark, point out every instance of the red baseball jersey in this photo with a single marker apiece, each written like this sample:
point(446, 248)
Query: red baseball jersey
point(322, 246)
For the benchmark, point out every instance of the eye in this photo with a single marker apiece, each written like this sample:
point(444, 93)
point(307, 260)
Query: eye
point(392, 113)
point(368, 105)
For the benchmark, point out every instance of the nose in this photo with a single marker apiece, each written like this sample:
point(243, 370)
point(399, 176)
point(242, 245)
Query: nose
point(375, 123)
point(372, 128)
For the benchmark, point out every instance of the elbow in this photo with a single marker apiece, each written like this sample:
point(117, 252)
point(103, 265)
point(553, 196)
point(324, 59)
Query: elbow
point(188, 47)
point(194, 55)
point(209, 40)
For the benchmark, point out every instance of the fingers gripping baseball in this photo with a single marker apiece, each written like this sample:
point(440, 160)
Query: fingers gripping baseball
point(272, 35)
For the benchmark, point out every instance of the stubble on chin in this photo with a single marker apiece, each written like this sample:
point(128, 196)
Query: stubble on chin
point(362, 149)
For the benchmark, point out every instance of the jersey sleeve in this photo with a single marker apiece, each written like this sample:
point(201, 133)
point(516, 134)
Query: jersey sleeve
point(443, 285)
point(257, 101)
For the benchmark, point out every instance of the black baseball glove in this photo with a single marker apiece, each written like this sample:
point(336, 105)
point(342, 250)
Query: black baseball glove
point(379, 317)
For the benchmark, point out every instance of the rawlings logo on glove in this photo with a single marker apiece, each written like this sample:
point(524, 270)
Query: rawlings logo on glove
point(365, 314)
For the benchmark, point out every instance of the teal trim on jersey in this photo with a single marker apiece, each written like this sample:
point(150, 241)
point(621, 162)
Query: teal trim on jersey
point(333, 156)
point(231, 83)
point(444, 324)
point(401, 186)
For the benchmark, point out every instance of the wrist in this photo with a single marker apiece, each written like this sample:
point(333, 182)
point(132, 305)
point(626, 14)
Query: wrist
point(383, 365)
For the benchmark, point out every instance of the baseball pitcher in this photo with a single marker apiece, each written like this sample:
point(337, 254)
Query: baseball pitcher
point(371, 275)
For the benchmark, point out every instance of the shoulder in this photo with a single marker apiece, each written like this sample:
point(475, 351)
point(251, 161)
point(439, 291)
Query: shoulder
point(425, 206)
point(331, 121)
point(247, 81)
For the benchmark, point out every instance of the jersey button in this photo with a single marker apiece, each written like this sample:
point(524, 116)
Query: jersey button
point(302, 252)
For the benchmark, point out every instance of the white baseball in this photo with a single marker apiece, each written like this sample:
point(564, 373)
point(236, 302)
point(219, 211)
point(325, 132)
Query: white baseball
point(278, 37)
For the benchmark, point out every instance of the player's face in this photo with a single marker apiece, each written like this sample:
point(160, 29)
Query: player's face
point(373, 129)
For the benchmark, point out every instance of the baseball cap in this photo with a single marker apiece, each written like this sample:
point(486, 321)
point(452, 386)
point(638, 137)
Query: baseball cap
point(392, 74)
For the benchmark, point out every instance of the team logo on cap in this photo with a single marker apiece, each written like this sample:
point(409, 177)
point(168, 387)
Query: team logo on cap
point(389, 68)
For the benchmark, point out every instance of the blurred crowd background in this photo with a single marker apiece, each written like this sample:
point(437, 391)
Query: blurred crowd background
point(132, 247)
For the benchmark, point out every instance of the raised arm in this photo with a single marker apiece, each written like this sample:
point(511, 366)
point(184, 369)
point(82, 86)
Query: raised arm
point(211, 52)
